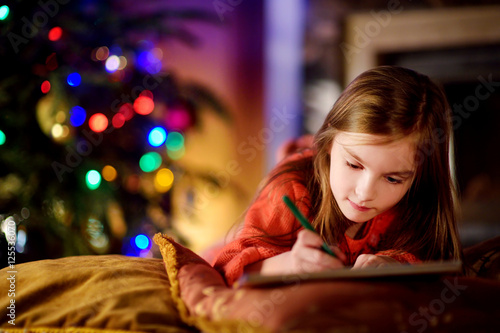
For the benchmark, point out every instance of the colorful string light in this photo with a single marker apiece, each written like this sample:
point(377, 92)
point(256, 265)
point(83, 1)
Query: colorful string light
point(163, 180)
point(101, 53)
point(175, 141)
point(178, 119)
point(150, 59)
point(98, 122)
point(45, 87)
point(4, 12)
point(74, 79)
point(77, 115)
point(55, 34)
point(144, 105)
point(142, 241)
point(109, 173)
point(157, 136)
point(112, 63)
point(93, 179)
point(118, 120)
point(150, 161)
point(127, 110)
point(122, 62)
point(21, 239)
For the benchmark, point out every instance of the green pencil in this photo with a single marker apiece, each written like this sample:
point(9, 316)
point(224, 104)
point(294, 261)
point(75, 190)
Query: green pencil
point(305, 223)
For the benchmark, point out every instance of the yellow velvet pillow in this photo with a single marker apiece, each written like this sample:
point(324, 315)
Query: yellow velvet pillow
point(200, 293)
point(445, 304)
point(109, 293)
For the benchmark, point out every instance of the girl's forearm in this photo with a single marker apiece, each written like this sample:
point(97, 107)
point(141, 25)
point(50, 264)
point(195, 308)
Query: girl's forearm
point(278, 264)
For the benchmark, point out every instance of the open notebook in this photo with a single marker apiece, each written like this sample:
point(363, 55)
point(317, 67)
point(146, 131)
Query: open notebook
point(428, 268)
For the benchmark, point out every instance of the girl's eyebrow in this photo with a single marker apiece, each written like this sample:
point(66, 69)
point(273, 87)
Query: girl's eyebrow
point(356, 157)
point(402, 174)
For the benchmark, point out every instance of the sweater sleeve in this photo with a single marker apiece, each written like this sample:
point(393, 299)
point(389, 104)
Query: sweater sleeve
point(401, 256)
point(267, 216)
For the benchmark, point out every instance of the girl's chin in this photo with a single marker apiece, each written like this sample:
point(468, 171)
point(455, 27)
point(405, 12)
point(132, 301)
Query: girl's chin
point(357, 217)
point(357, 220)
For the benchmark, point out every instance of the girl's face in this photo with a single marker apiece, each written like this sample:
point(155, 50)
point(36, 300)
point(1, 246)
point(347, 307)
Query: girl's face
point(367, 178)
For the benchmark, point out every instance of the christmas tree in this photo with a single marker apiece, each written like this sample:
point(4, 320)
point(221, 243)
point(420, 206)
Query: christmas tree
point(90, 125)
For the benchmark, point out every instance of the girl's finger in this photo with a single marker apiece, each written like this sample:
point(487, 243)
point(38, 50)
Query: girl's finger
point(309, 238)
point(361, 261)
point(340, 255)
point(319, 258)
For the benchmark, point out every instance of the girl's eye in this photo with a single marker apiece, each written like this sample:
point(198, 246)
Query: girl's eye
point(394, 180)
point(352, 166)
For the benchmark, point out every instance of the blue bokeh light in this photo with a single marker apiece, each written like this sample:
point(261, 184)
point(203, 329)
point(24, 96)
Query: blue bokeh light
point(142, 241)
point(74, 79)
point(148, 62)
point(77, 116)
point(157, 136)
point(142, 59)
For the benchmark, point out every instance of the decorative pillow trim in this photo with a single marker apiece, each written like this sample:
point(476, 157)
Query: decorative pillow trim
point(175, 257)
point(63, 330)
point(169, 254)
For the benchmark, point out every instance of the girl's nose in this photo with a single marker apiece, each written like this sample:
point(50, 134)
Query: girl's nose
point(365, 189)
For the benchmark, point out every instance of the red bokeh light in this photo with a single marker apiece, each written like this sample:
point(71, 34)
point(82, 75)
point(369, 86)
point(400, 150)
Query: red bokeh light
point(55, 34)
point(45, 86)
point(144, 105)
point(118, 120)
point(98, 122)
point(146, 93)
point(127, 110)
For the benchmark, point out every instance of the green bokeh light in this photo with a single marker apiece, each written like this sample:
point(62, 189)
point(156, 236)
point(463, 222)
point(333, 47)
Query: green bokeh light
point(4, 12)
point(175, 141)
point(93, 179)
point(2, 138)
point(150, 161)
point(176, 154)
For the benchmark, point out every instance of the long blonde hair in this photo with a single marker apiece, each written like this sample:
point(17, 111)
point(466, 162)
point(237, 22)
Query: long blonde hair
point(396, 102)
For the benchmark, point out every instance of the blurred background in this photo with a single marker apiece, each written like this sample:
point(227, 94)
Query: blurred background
point(121, 119)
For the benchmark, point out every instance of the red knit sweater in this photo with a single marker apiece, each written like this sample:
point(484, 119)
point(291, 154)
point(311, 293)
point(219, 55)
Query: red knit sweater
point(270, 214)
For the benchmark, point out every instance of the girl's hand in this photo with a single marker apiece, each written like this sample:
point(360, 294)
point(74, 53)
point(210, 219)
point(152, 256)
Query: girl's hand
point(371, 260)
point(307, 256)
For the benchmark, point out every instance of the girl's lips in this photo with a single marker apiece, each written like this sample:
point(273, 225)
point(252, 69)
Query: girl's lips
point(357, 207)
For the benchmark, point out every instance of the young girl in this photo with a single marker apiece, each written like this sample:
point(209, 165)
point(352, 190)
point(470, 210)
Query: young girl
point(376, 186)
